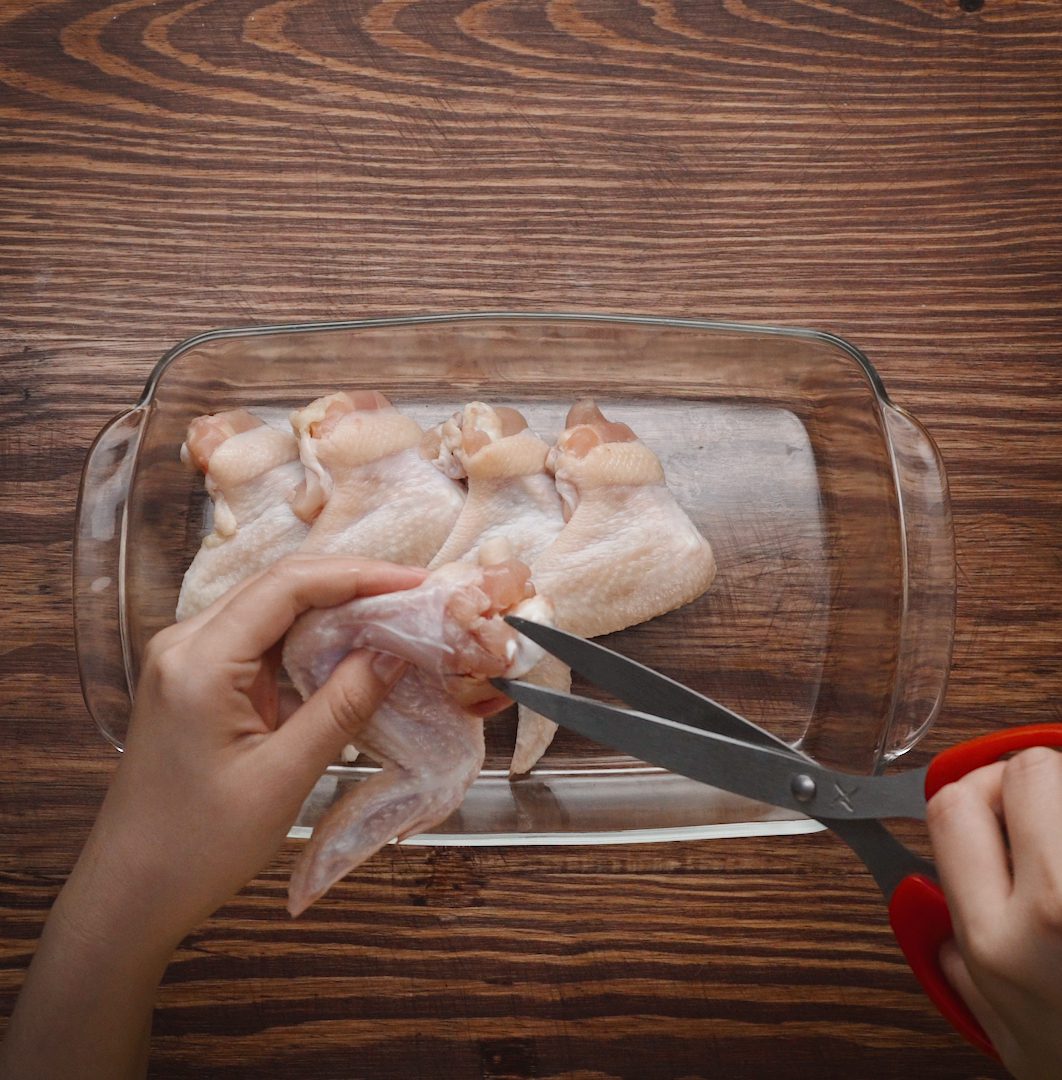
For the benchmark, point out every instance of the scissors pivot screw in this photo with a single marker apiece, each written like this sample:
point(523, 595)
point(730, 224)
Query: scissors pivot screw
point(803, 788)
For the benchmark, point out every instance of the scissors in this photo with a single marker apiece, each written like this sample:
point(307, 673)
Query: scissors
point(679, 729)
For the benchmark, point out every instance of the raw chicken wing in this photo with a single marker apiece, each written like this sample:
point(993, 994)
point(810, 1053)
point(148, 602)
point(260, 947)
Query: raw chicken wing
point(252, 473)
point(510, 493)
point(627, 554)
point(369, 491)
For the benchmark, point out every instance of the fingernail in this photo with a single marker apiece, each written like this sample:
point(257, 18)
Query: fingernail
point(387, 668)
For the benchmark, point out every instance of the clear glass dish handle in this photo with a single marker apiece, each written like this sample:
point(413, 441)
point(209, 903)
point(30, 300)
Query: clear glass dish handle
point(98, 571)
point(928, 625)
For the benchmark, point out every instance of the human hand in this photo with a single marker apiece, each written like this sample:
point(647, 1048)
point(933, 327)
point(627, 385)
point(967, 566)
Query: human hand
point(211, 779)
point(1006, 959)
point(212, 776)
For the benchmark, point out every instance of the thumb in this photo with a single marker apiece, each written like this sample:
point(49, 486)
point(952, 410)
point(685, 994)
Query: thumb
point(313, 736)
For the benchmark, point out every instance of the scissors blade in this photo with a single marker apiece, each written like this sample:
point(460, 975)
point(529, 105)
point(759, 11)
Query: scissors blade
point(645, 689)
point(758, 772)
point(651, 692)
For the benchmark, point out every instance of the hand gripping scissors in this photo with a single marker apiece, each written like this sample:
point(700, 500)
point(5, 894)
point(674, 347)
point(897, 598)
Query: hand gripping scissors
point(677, 728)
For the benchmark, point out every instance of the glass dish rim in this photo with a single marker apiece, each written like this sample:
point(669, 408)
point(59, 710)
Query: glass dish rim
point(799, 332)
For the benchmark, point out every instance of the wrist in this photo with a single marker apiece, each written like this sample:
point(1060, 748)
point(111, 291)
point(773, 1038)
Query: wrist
point(115, 953)
point(86, 1004)
point(107, 907)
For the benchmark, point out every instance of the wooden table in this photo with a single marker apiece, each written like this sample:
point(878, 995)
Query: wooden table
point(886, 171)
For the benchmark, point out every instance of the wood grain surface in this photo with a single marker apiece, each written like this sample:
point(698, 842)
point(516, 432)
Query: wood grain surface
point(887, 171)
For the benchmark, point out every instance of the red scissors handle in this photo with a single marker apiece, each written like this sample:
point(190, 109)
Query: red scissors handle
point(921, 922)
point(918, 911)
point(955, 762)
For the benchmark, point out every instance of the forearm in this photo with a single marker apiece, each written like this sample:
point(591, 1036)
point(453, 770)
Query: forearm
point(85, 1008)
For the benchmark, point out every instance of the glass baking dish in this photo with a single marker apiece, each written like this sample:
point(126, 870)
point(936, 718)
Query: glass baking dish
point(830, 621)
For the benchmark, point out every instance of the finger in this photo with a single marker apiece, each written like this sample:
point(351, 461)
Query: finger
point(1032, 807)
point(313, 737)
point(194, 623)
point(970, 849)
point(191, 625)
point(264, 692)
point(289, 701)
point(259, 615)
point(958, 974)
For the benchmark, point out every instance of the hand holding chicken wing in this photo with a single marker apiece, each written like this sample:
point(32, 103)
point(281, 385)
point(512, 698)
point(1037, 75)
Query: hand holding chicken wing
point(449, 627)
point(428, 743)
